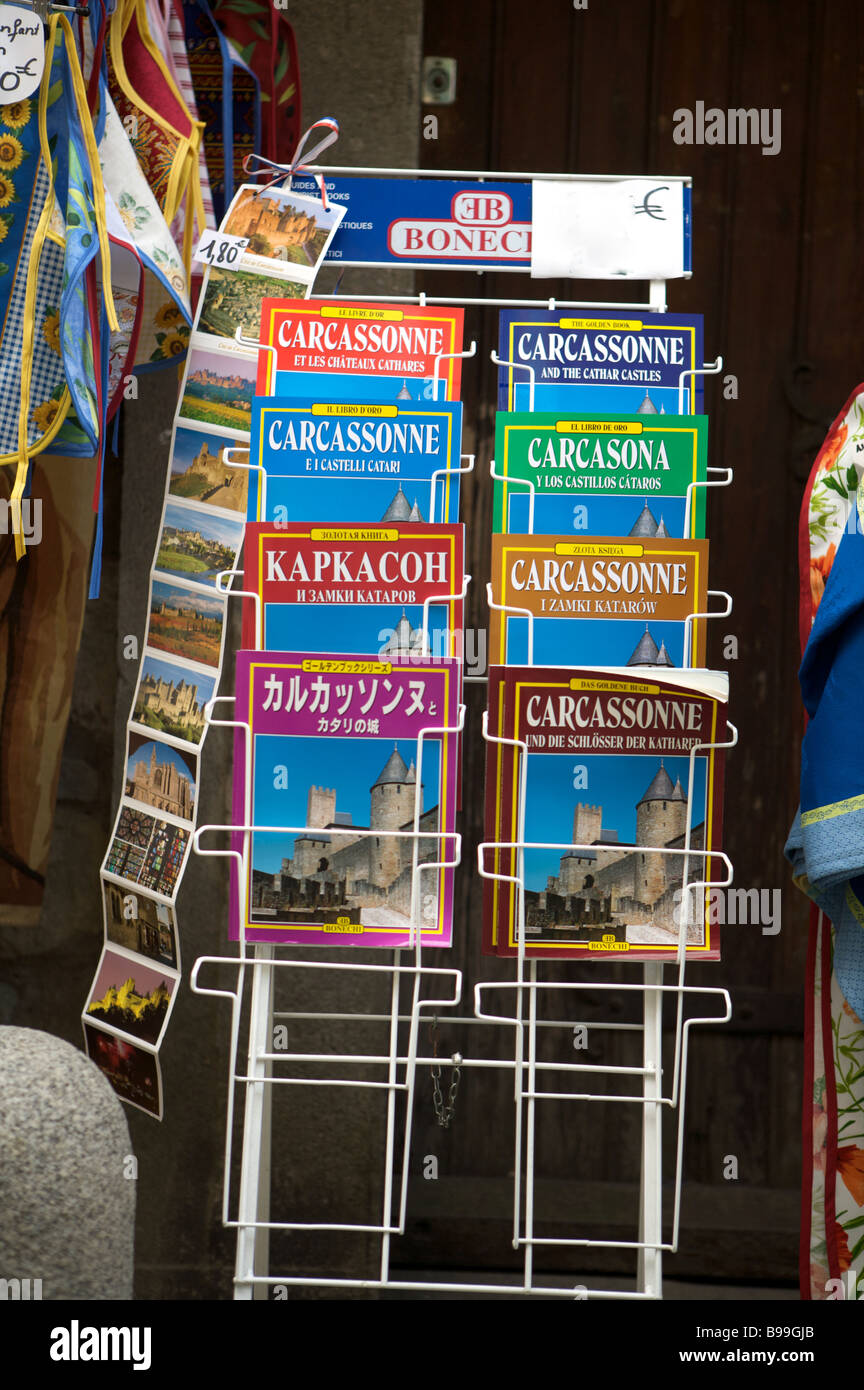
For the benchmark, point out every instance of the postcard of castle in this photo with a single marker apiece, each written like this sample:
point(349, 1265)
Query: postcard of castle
point(352, 790)
point(613, 475)
point(231, 300)
point(131, 996)
point(375, 589)
point(186, 622)
point(609, 365)
point(218, 389)
point(171, 696)
point(288, 234)
point(599, 600)
point(197, 544)
point(348, 462)
point(319, 349)
point(618, 789)
point(200, 471)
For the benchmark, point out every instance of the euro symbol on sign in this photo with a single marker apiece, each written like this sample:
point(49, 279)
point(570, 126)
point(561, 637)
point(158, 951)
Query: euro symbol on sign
point(653, 209)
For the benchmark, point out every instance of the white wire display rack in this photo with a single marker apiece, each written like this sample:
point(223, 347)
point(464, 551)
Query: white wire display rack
point(420, 993)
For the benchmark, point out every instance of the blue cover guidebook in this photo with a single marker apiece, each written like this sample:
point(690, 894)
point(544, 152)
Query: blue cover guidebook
point(623, 363)
point(345, 463)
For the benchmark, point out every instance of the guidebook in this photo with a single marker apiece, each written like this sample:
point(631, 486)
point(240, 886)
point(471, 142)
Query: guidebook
point(350, 462)
point(614, 787)
point(353, 783)
point(628, 362)
point(599, 600)
point(394, 591)
point(622, 475)
point(330, 349)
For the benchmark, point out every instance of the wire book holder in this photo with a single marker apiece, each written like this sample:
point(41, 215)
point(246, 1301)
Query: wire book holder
point(419, 993)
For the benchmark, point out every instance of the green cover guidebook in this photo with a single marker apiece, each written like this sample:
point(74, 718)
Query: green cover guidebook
point(614, 475)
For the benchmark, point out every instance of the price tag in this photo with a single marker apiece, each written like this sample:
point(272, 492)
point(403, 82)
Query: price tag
point(221, 248)
point(22, 53)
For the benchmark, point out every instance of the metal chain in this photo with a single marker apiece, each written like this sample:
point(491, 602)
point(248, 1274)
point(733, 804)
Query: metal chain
point(443, 1113)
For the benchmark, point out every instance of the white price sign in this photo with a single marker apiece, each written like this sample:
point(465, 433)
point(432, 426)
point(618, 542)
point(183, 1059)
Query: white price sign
point(22, 53)
point(221, 248)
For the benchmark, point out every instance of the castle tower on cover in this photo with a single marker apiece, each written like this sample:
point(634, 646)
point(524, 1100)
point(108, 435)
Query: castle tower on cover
point(661, 813)
point(661, 817)
point(392, 804)
point(321, 806)
point(400, 509)
point(587, 824)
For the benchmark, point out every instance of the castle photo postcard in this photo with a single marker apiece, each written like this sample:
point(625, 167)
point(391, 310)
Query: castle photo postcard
point(171, 697)
point(358, 759)
point(132, 996)
point(217, 390)
point(231, 303)
point(186, 622)
point(199, 472)
point(600, 600)
point(622, 783)
point(348, 462)
point(196, 544)
point(624, 475)
point(288, 233)
point(617, 363)
point(321, 349)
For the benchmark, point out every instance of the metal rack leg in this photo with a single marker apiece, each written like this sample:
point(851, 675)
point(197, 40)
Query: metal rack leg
point(253, 1253)
point(650, 1272)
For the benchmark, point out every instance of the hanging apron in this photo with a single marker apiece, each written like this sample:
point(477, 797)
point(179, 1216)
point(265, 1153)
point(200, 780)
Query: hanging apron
point(164, 135)
point(168, 17)
point(51, 185)
point(229, 102)
point(264, 39)
point(165, 316)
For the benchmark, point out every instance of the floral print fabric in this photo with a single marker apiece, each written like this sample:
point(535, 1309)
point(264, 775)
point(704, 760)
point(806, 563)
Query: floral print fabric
point(832, 1241)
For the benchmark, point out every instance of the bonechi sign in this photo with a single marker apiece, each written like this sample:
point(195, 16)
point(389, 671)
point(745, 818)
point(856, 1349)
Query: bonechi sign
point(429, 222)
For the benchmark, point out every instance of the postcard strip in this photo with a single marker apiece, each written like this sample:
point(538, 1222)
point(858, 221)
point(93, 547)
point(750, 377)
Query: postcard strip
point(200, 537)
